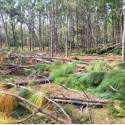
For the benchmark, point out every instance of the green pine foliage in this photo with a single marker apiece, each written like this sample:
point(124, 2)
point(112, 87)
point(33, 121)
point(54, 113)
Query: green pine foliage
point(25, 93)
point(120, 66)
point(70, 81)
point(40, 67)
point(55, 65)
point(37, 69)
point(62, 70)
point(92, 79)
point(115, 79)
point(98, 66)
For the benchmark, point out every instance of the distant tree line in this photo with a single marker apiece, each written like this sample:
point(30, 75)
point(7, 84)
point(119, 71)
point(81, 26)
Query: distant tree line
point(61, 25)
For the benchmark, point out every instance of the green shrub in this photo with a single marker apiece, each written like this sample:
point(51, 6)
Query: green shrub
point(92, 79)
point(117, 51)
point(98, 66)
point(40, 67)
point(90, 51)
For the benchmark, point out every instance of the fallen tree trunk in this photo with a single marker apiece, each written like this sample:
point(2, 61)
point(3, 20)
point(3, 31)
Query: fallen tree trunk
point(15, 65)
point(37, 81)
point(79, 102)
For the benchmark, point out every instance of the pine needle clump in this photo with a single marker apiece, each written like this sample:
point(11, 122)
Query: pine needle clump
point(38, 99)
point(37, 69)
point(25, 93)
point(114, 65)
point(55, 65)
point(62, 70)
point(98, 66)
point(40, 67)
point(113, 80)
point(120, 66)
point(92, 79)
point(4, 119)
point(70, 81)
point(7, 103)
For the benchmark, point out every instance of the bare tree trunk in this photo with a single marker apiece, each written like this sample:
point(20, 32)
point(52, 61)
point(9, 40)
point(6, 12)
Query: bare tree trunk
point(51, 32)
point(5, 28)
point(22, 42)
point(123, 44)
point(13, 32)
point(123, 37)
point(40, 37)
point(66, 40)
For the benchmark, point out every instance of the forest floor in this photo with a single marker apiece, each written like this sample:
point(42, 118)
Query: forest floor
point(99, 115)
point(89, 58)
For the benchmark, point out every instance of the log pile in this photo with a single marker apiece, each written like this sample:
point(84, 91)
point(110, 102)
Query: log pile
point(108, 48)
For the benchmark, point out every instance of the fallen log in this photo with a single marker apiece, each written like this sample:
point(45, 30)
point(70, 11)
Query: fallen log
point(9, 71)
point(38, 60)
point(79, 102)
point(15, 65)
point(35, 58)
point(37, 81)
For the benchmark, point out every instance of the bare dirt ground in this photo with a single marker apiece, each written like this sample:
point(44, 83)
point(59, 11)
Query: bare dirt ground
point(102, 116)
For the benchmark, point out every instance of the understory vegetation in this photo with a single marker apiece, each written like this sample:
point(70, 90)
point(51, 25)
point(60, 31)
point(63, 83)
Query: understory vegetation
point(102, 79)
